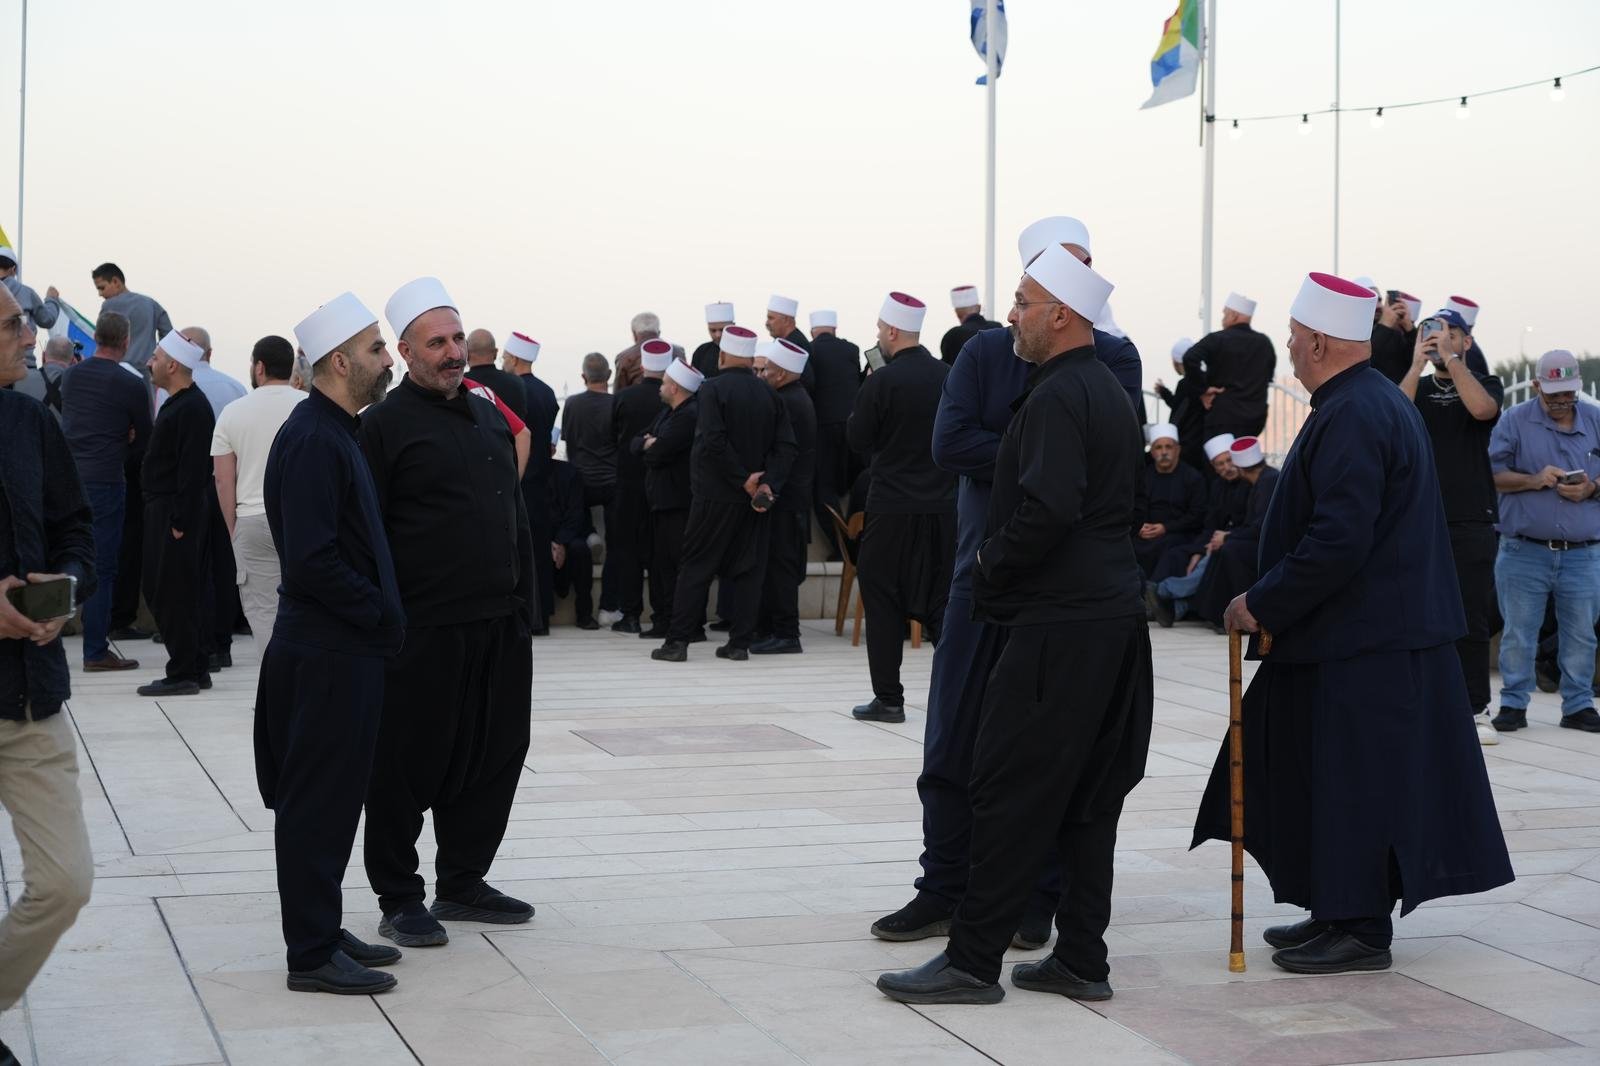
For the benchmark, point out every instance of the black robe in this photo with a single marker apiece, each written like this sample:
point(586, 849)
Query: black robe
point(958, 335)
point(707, 358)
point(1241, 362)
point(1233, 568)
point(1177, 501)
point(1364, 780)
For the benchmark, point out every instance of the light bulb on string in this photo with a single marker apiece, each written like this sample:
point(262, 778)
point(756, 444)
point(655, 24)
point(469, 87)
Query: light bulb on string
point(1234, 131)
point(1305, 125)
point(1557, 93)
point(1377, 119)
point(1463, 112)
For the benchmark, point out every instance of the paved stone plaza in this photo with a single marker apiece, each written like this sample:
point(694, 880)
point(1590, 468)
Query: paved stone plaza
point(707, 844)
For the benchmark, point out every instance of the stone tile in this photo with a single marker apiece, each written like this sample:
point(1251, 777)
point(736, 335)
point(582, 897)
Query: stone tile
point(697, 739)
point(363, 1042)
point(130, 1035)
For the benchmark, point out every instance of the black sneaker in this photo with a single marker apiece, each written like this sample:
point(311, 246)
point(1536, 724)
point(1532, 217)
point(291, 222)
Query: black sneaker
point(1050, 974)
point(673, 651)
point(411, 926)
point(920, 919)
point(728, 651)
point(626, 624)
point(482, 903)
point(1511, 719)
point(777, 646)
point(1586, 720)
point(1034, 932)
point(879, 711)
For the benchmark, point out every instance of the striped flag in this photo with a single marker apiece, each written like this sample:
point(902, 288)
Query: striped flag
point(980, 36)
point(1175, 68)
point(76, 327)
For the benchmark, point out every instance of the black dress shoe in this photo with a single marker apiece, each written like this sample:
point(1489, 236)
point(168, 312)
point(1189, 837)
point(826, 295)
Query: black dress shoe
point(1586, 720)
point(367, 954)
point(411, 926)
point(1050, 974)
point(673, 651)
point(129, 633)
point(1292, 936)
point(1510, 719)
point(923, 917)
point(343, 976)
point(1332, 952)
point(728, 651)
point(1034, 932)
point(878, 711)
point(626, 624)
point(1159, 610)
point(655, 632)
point(481, 904)
point(719, 626)
point(777, 646)
point(588, 623)
point(169, 687)
point(936, 981)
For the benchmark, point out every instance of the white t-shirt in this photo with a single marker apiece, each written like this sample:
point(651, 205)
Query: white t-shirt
point(245, 429)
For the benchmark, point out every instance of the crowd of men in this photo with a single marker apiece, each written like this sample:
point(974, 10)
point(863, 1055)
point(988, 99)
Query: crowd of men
point(395, 551)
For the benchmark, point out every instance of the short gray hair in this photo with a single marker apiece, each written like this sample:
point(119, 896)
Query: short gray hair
point(646, 322)
point(596, 368)
point(59, 350)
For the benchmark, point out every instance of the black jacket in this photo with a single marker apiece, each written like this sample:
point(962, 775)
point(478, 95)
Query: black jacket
point(666, 462)
point(836, 364)
point(796, 494)
point(743, 427)
point(636, 407)
point(893, 423)
point(569, 518)
point(956, 336)
point(1240, 361)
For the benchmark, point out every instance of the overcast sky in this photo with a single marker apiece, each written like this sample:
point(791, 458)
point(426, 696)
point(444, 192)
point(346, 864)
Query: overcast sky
point(562, 165)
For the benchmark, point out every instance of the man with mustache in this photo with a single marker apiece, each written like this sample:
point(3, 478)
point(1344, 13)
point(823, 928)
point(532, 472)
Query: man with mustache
point(456, 700)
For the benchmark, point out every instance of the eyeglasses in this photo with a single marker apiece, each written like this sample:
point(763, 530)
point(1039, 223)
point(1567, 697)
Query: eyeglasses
point(1023, 305)
point(15, 325)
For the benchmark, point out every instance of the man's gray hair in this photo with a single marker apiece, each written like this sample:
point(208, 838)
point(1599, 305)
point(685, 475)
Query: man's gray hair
point(646, 323)
point(596, 368)
point(58, 350)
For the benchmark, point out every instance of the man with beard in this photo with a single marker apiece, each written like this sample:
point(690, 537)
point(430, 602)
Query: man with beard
point(521, 352)
point(785, 569)
point(719, 316)
point(664, 449)
point(320, 694)
point(969, 322)
point(1175, 500)
point(836, 365)
point(781, 312)
point(1066, 719)
point(974, 410)
point(456, 700)
point(1363, 779)
point(1227, 502)
point(743, 450)
point(628, 541)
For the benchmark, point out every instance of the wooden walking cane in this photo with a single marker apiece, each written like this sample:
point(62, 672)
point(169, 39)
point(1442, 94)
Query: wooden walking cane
point(1236, 786)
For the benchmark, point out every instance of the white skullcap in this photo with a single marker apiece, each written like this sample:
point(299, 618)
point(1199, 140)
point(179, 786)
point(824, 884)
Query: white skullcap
point(413, 300)
point(1467, 309)
point(1334, 306)
point(1162, 431)
point(685, 375)
point(1242, 304)
point(182, 349)
point(824, 318)
point(1367, 283)
point(738, 342)
point(903, 312)
point(965, 296)
point(788, 355)
point(1414, 305)
point(1180, 346)
point(1064, 276)
point(521, 346)
point(1058, 229)
point(8, 252)
point(1218, 445)
point(654, 355)
point(719, 313)
point(1246, 451)
point(783, 305)
point(331, 325)
point(763, 349)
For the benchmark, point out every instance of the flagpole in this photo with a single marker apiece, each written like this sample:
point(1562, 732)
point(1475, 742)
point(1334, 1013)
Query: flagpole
point(991, 23)
point(1209, 133)
point(22, 130)
point(1338, 122)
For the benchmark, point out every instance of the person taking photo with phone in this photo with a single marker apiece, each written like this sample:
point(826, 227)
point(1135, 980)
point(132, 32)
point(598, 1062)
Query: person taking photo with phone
point(1545, 454)
point(1459, 408)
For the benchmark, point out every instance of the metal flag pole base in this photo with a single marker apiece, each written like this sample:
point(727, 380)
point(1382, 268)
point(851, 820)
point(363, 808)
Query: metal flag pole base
point(1236, 788)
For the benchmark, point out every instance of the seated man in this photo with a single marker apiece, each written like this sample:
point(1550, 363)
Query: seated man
point(1175, 500)
point(569, 536)
point(1229, 567)
point(1227, 495)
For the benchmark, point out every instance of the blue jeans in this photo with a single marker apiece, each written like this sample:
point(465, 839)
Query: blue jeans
point(106, 503)
point(1525, 575)
point(1179, 589)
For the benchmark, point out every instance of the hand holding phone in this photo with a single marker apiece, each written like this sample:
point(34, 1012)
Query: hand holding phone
point(1572, 477)
point(32, 609)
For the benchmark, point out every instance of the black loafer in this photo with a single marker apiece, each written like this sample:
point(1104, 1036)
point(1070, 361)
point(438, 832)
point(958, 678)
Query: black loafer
point(411, 926)
point(1510, 719)
point(367, 954)
point(923, 917)
point(1292, 936)
point(1034, 932)
point(728, 651)
point(936, 981)
point(1050, 974)
point(1586, 720)
point(1332, 952)
point(673, 651)
point(878, 711)
point(342, 976)
point(169, 687)
point(626, 624)
point(777, 646)
point(482, 904)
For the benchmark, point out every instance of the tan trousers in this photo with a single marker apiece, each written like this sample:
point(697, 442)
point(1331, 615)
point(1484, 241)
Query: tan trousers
point(256, 561)
point(39, 789)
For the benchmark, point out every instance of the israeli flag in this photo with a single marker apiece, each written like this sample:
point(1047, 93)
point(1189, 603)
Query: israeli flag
point(980, 36)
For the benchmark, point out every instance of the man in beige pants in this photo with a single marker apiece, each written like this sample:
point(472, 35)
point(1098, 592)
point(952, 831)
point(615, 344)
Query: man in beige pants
point(46, 534)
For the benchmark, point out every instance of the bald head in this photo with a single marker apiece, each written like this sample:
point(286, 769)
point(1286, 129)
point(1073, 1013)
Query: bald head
point(58, 350)
point(481, 349)
point(200, 338)
point(1317, 357)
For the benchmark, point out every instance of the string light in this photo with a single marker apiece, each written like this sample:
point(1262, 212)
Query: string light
point(1234, 131)
point(1463, 111)
point(1377, 119)
point(1557, 93)
point(1305, 125)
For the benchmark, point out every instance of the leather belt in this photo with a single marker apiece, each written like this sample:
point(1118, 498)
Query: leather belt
point(1558, 545)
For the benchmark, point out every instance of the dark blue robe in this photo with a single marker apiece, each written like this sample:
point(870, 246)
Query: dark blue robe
point(1364, 780)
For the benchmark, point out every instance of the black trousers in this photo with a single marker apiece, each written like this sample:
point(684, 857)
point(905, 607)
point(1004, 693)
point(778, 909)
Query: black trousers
point(783, 575)
point(130, 557)
point(628, 543)
point(1474, 547)
point(222, 601)
point(832, 480)
point(666, 558)
point(1151, 553)
point(577, 573)
point(604, 497)
point(1065, 731)
point(177, 585)
point(454, 733)
point(316, 728)
point(905, 563)
point(723, 541)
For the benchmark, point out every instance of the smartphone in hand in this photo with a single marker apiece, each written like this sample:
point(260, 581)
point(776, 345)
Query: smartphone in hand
point(45, 601)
